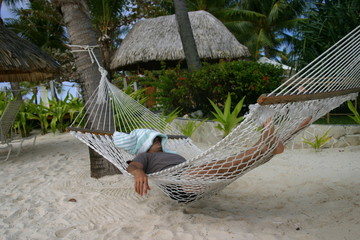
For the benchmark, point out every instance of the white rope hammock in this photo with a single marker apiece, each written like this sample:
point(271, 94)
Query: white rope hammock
point(323, 85)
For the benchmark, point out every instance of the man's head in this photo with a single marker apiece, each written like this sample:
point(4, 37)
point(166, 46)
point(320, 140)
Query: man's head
point(141, 140)
point(156, 146)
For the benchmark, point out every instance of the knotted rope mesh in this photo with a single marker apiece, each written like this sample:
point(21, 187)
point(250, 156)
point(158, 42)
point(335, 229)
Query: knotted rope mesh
point(323, 85)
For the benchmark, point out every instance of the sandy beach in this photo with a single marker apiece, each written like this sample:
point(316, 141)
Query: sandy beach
point(47, 193)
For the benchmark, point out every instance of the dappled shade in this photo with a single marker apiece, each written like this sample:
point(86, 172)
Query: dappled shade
point(153, 40)
point(21, 60)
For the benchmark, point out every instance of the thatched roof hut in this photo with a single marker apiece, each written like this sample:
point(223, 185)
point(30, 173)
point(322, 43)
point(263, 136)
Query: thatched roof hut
point(21, 60)
point(157, 39)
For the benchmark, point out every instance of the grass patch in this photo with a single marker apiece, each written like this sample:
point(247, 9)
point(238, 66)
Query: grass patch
point(340, 120)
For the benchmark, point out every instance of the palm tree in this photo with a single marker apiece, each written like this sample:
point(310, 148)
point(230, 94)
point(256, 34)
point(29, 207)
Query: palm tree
point(10, 3)
point(80, 29)
point(328, 21)
point(107, 17)
point(40, 24)
point(215, 7)
point(264, 25)
point(187, 36)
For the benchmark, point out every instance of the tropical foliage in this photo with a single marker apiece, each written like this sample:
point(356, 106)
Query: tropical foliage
point(318, 142)
point(190, 127)
point(264, 25)
point(171, 116)
point(3, 102)
point(215, 7)
point(41, 24)
point(59, 109)
point(227, 119)
point(57, 116)
point(327, 22)
point(352, 108)
point(190, 92)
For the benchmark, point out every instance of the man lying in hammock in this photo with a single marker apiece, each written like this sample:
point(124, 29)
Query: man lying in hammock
point(153, 156)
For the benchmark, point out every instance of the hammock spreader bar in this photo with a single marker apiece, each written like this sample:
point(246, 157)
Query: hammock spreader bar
point(264, 99)
point(98, 132)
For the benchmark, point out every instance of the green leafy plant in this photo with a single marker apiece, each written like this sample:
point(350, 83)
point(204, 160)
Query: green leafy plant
point(190, 127)
point(41, 114)
point(171, 116)
point(318, 142)
point(22, 125)
point(138, 95)
point(3, 102)
point(76, 108)
point(190, 91)
point(61, 113)
point(58, 110)
point(227, 119)
point(352, 108)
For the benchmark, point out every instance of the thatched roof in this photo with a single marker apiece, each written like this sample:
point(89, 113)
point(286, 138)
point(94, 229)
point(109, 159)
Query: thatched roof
point(21, 60)
point(157, 39)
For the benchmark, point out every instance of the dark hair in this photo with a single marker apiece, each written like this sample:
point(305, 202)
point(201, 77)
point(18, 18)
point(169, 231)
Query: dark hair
point(157, 138)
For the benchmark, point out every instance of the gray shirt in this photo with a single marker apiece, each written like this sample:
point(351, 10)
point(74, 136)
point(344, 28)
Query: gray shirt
point(157, 161)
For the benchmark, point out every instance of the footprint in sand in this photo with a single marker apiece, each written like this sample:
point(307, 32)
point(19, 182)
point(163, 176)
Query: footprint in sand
point(63, 232)
point(99, 210)
point(15, 216)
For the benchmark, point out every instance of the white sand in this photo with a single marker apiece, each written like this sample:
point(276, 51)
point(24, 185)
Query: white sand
point(46, 193)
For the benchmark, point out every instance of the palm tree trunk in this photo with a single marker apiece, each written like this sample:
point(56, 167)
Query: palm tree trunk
point(80, 30)
point(16, 87)
point(187, 37)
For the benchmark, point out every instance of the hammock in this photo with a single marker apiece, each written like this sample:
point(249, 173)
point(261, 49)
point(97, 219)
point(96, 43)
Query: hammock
point(323, 85)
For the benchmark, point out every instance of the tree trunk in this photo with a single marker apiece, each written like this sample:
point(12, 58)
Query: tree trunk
point(80, 32)
point(187, 37)
point(106, 53)
point(16, 86)
point(52, 90)
point(101, 167)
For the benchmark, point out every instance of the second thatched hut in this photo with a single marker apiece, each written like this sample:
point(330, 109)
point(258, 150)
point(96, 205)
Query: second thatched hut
point(21, 60)
point(154, 40)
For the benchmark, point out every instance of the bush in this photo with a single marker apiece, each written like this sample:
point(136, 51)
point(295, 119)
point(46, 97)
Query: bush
point(190, 92)
point(172, 89)
point(227, 119)
point(242, 78)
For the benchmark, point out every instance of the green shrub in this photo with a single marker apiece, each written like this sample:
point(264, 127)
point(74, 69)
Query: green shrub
point(227, 120)
point(39, 113)
point(190, 127)
point(243, 78)
point(318, 142)
point(190, 92)
point(171, 116)
point(33, 115)
point(352, 108)
point(23, 125)
point(3, 102)
point(172, 89)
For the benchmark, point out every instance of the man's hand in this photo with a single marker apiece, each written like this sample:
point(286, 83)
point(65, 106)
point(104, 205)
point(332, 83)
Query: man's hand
point(141, 179)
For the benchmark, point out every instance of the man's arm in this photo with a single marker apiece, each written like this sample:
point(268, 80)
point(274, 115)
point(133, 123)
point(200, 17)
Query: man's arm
point(141, 179)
